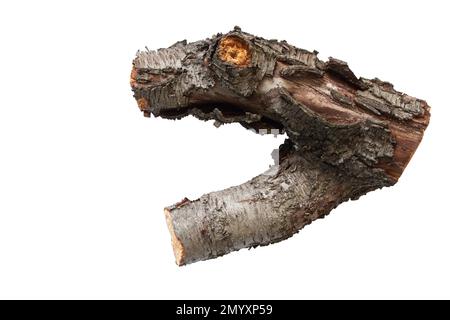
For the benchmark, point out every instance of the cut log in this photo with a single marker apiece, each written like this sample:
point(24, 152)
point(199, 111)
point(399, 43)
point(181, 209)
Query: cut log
point(346, 135)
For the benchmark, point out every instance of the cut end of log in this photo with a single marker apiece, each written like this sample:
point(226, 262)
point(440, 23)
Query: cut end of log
point(178, 248)
point(133, 77)
point(234, 50)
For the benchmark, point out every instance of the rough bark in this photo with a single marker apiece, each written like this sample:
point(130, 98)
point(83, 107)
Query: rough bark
point(346, 135)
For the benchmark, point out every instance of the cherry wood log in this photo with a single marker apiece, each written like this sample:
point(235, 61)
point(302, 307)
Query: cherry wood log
point(346, 135)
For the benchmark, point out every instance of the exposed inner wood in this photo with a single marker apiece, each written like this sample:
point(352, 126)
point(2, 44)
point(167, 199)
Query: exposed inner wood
point(346, 135)
point(177, 246)
point(234, 50)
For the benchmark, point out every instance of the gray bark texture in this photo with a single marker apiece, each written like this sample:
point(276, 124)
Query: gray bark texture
point(346, 135)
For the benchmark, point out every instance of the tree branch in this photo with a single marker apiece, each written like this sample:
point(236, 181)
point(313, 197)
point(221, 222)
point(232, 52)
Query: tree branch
point(347, 135)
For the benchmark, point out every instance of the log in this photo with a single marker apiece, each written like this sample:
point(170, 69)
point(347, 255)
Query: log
point(346, 135)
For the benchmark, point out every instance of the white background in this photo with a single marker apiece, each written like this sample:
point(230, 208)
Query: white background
point(84, 177)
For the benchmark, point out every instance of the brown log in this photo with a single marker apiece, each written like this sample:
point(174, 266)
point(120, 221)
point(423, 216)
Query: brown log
point(346, 135)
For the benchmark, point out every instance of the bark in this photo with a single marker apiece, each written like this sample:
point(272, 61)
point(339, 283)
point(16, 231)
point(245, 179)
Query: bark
point(346, 135)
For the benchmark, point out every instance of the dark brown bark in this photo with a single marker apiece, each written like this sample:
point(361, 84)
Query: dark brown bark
point(346, 135)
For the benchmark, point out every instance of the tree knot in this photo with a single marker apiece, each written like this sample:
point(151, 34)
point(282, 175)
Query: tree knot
point(234, 50)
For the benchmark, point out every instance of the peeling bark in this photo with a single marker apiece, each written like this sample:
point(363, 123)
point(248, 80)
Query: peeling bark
point(346, 135)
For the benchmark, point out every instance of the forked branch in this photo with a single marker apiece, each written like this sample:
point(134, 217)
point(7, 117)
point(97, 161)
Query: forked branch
point(346, 135)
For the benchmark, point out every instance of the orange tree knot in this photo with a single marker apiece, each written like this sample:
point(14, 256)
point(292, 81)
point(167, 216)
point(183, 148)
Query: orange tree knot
point(234, 50)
